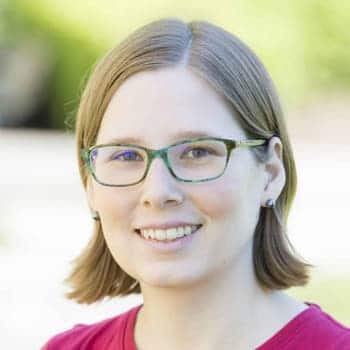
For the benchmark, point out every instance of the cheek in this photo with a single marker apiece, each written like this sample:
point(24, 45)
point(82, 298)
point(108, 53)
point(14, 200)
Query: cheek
point(229, 204)
point(221, 198)
point(115, 208)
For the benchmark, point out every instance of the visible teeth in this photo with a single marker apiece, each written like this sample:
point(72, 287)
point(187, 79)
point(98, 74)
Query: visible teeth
point(160, 234)
point(180, 231)
point(144, 233)
point(172, 233)
point(169, 234)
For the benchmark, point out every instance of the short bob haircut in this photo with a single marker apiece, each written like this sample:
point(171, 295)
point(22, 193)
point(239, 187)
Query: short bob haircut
point(234, 70)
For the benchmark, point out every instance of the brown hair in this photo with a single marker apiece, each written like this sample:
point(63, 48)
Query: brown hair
point(233, 69)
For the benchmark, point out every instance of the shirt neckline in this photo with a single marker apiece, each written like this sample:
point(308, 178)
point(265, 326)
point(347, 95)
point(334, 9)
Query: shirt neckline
point(282, 333)
point(130, 343)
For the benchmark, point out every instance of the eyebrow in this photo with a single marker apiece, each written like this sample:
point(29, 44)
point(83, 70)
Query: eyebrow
point(177, 136)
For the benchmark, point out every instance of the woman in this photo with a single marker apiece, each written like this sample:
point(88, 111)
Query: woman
point(190, 176)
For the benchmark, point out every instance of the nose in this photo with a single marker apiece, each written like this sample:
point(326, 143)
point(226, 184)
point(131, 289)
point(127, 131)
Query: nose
point(160, 188)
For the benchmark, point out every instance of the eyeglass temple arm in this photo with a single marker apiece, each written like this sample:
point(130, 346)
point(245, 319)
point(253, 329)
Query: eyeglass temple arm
point(84, 153)
point(250, 143)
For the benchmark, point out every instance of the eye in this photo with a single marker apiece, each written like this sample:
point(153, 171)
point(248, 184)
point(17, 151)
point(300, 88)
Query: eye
point(199, 152)
point(126, 155)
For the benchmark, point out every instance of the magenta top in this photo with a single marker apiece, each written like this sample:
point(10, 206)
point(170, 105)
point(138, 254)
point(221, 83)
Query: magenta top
point(310, 329)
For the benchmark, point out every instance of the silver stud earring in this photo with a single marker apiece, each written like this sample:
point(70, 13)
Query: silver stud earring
point(95, 216)
point(270, 203)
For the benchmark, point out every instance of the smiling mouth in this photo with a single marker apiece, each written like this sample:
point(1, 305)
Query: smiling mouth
point(170, 234)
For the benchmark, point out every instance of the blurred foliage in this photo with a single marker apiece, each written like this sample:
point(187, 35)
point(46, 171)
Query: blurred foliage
point(304, 45)
point(73, 56)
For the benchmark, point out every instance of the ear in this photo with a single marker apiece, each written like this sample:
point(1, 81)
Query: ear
point(274, 170)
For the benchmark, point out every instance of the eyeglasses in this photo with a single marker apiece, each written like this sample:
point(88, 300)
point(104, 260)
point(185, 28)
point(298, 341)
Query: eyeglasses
point(195, 160)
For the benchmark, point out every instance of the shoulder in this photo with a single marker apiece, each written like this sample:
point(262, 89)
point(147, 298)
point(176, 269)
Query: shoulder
point(97, 335)
point(338, 333)
point(313, 328)
point(323, 330)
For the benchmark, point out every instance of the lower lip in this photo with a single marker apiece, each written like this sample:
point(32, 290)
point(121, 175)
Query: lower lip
point(169, 246)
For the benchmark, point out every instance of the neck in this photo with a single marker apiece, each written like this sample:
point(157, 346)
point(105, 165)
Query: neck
point(226, 310)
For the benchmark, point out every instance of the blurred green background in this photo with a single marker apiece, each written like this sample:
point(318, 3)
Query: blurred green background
point(304, 44)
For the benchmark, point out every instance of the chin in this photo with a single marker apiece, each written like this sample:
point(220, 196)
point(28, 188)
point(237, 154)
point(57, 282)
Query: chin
point(169, 278)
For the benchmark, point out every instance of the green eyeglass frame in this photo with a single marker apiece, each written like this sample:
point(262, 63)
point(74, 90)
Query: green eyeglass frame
point(162, 153)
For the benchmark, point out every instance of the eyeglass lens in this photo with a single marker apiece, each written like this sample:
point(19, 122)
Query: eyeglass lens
point(122, 165)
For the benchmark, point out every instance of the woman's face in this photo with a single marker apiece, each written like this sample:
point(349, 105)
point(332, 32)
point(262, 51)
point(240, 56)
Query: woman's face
point(154, 106)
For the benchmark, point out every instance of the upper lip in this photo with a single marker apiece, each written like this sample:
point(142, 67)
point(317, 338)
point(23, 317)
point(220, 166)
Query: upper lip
point(164, 226)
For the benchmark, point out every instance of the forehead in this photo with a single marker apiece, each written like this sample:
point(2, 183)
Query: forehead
point(161, 106)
